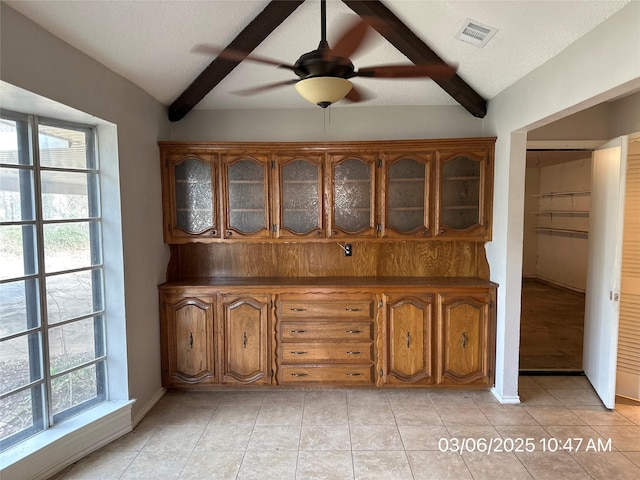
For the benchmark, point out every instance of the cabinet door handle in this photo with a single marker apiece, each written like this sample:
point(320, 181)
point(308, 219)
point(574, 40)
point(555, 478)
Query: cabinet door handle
point(244, 339)
point(298, 353)
point(408, 339)
point(464, 339)
point(299, 374)
point(354, 353)
point(190, 339)
point(354, 331)
point(229, 233)
point(349, 309)
point(298, 309)
point(298, 331)
point(354, 374)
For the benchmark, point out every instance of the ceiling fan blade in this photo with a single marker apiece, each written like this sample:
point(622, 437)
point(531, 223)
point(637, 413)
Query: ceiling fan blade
point(358, 94)
point(434, 70)
point(351, 39)
point(263, 88)
point(237, 55)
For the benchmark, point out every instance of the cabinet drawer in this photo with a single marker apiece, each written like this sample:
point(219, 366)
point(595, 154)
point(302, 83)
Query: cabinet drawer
point(322, 352)
point(306, 331)
point(313, 310)
point(342, 374)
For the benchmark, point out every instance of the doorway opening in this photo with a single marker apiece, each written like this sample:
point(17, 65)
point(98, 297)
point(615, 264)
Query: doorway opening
point(555, 248)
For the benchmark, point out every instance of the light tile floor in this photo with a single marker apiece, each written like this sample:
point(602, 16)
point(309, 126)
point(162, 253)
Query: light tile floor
point(560, 430)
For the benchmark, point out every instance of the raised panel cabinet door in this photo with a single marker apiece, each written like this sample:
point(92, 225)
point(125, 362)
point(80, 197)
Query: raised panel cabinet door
point(352, 193)
point(245, 339)
point(409, 334)
point(246, 196)
point(464, 341)
point(190, 198)
point(299, 185)
point(406, 194)
point(188, 340)
point(464, 194)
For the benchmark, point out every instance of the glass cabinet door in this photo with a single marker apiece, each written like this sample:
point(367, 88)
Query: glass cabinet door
point(246, 196)
point(299, 199)
point(352, 206)
point(193, 206)
point(461, 194)
point(406, 196)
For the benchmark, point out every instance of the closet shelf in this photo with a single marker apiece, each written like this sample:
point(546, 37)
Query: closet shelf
point(584, 213)
point(563, 194)
point(562, 230)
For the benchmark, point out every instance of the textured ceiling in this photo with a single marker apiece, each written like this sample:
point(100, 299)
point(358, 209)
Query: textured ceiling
point(150, 42)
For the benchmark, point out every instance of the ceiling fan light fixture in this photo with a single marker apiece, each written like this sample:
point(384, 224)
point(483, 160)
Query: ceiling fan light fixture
point(323, 91)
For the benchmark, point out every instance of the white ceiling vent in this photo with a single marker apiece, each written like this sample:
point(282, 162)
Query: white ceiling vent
point(475, 33)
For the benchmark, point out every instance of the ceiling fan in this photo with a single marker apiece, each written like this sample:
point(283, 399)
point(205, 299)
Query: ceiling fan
point(324, 73)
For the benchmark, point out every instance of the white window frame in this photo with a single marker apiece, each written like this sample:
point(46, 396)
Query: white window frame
point(47, 452)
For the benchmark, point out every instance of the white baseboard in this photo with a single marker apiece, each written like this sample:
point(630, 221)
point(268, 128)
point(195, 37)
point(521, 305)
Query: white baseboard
point(504, 398)
point(47, 453)
point(147, 407)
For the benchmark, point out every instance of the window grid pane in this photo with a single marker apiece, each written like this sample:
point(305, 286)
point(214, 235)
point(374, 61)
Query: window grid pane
point(52, 341)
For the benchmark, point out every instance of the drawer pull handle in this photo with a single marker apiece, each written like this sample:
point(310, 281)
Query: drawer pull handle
point(298, 331)
point(354, 374)
point(298, 353)
point(298, 309)
point(190, 339)
point(349, 309)
point(354, 353)
point(299, 374)
point(244, 340)
point(464, 339)
point(408, 339)
point(354, 331)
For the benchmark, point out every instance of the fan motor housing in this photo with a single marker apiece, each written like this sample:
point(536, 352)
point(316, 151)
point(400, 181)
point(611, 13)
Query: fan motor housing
point(322, 63)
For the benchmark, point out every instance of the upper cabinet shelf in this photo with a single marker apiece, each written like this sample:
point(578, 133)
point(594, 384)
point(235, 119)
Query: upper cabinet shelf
point(217, 192)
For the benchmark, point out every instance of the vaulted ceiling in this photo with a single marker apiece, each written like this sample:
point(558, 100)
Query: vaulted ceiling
point(151, 43)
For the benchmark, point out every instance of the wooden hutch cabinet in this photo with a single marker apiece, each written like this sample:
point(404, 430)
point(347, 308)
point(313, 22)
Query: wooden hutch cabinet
point(188, 339)
point(245, 343)
point(246, 196)
point(406, 195)
point(325, 338)
point(465, 340)
point(352, 200)
point(464, 194)
point(259, 291)
point(325, 192)
point(190, 195)
point(299, 206)
point(410, 348)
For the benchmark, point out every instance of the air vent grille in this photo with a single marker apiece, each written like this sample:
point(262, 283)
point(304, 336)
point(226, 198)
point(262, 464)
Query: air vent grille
point(475, 33)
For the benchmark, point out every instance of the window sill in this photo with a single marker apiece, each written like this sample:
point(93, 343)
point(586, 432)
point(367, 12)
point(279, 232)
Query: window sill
point(48, 452)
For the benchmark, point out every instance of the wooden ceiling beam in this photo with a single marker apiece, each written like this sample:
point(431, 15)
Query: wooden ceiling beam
point(254, 33)
point(401, 37)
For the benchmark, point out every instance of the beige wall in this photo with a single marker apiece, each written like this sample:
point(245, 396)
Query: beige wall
point(35, 60)
point(564, 85)
point(337, 123)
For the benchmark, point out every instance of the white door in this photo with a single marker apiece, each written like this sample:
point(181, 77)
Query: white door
point(602, 304)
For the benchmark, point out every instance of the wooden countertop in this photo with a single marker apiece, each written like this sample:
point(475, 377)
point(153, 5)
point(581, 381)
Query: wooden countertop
point(332, 282)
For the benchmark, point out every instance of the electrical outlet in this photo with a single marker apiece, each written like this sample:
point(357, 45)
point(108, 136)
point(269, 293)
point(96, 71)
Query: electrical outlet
point(347, 250)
